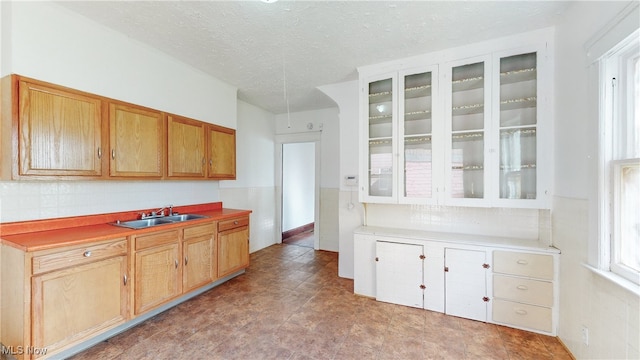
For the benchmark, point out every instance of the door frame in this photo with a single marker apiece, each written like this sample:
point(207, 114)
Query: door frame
point(314, 137)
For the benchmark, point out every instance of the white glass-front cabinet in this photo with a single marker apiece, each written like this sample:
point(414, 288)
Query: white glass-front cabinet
point(520, 111)
point(472, 132)
point(399, 131)
point(467, 127)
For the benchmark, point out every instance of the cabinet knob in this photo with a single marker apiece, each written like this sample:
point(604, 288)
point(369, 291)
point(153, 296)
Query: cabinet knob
point(113, 153)
point(235, 222)
point(422, 287)
point(124, 278)
point(485, 299)
point(99, 153)
point(186, 260)
point(176, 264)
point(87, 253)
point(486, 266)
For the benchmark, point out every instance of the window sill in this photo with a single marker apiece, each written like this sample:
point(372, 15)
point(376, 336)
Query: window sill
point(616, 279)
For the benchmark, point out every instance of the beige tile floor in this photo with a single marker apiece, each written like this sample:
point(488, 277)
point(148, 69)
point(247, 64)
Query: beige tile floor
point(290, 304)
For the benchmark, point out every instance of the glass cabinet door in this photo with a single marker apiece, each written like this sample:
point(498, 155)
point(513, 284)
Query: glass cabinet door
point(416, 130)
point(467, 159)
point(380, 130)
point(518, 127)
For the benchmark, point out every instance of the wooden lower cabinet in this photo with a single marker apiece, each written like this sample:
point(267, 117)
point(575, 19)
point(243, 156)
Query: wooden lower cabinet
point(56, 299)
point(199, 257)
point(156, 270)
point(74, 303)
point(233, 245)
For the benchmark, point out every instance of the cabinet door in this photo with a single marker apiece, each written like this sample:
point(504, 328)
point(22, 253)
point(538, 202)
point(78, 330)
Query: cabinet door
point(379, 131)
point(364, 265)
point(399, 277)
point(519, 127)
point(417, 133)
point(72, 304)
point(60, 132)
point(198, 263)
point(468, 122)
point(186, 148)
point(136, 142)
point(222, 153)
point(157, 280)
point(466, 284)
point(233, 250)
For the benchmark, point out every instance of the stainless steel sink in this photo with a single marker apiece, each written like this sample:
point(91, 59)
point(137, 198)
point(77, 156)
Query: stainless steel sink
point(184, 217)
point(145, 223)
point(141, 224)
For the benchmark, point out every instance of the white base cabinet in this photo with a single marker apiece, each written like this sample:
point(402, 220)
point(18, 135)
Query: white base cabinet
point(510, 282)
point(466, 283)
point(399, 273)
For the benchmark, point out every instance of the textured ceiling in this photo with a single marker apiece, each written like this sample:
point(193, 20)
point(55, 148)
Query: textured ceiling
point(260, 47)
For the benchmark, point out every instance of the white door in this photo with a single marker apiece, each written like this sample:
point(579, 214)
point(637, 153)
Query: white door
point(465, 284)
point(399, 273)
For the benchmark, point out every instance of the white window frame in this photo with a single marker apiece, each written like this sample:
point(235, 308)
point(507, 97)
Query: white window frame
point(613, 111)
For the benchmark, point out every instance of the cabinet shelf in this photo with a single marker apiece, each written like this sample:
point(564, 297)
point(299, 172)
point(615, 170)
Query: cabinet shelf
point(380, 141)
point(470, 83)
point(521, 131)
point(417, 139)
point(468, 136)
point(417, 92)
point(514, 76)
point(520, 103)
point(467, 167)
point(520, 167)
point(468, 109)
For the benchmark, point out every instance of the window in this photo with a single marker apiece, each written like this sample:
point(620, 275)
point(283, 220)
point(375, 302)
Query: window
point(620, 124)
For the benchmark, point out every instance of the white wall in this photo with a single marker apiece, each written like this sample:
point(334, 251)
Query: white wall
point(45, 41)
point(611, 313)
point(350, 212)
point(50, 43)
point(326, 121)
point(254, 188)
point(298, 184)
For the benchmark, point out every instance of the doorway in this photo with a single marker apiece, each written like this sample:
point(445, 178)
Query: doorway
point(298, 198)
point(297, 169)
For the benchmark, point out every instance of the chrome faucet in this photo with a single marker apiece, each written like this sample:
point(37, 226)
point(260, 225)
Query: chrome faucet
point(158, 213)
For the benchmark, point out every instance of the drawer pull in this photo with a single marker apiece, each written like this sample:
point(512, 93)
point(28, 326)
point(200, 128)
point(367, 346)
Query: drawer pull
point(521, 311)
point(87, 253)
point(176, 264)
point(522, 262)
point(235, 222)
point(522, 287)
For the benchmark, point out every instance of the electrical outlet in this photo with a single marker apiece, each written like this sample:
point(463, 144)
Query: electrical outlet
point(585, 335)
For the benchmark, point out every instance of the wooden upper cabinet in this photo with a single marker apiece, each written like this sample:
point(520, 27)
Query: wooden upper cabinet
point(59, 131)
point(136, 141)
point(222, 153)
point(186, 148)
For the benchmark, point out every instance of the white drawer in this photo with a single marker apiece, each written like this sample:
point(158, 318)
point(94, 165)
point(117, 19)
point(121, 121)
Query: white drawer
point(528, 291)
point(523, 264)
point(522, 315)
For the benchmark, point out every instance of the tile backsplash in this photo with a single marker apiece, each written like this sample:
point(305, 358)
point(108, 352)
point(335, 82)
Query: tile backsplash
point(33, 200)
point(506, 222)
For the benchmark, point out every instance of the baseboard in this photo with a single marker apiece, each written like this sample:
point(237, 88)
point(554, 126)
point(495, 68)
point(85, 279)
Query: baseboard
point(295, 231)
